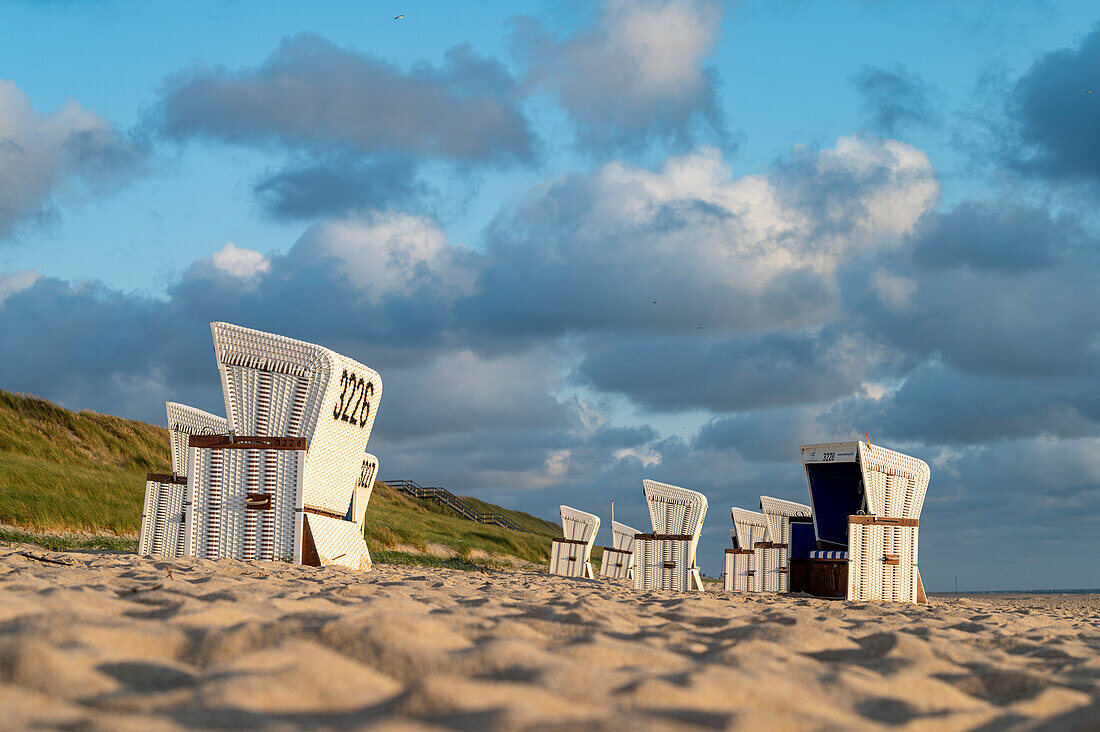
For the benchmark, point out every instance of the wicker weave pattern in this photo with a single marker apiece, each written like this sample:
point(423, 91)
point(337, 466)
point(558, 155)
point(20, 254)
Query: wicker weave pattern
point(568, 559)
point(162, 519)
point(675, 510)
point(896, 483)
point(219, 523)
point(749, 527)
point(672, 511)
point(665, 564)
point(882, 563)
point(338, 542)
point(571, 559)
point(184, 421)
point(278, 386)
point(740, 573)
point(148, 509)
point(778, 513)
point(618, 559)
point(617, 563)
point(622, 536)
point(580, 525)
point(770, 569)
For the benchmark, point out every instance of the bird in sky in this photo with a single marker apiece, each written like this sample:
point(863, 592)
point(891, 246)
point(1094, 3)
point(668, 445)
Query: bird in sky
point(399, 17)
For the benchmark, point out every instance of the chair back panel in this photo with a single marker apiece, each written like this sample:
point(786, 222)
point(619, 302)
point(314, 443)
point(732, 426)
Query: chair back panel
point(278, 386)
point(184, 421)
point(579, 525)
point(749, 527)
point(622, 536)
point(778, 513)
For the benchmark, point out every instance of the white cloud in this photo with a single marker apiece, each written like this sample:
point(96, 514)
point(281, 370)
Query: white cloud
point(638, 74)
point(647, 456)
point(239, 262)
point(392, 254)
point(41, 152)
point(896, 292)
point(13, 282)
point(557, 462)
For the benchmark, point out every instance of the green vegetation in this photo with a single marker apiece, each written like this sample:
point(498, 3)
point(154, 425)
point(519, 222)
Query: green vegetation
point(394, 520)
point(74, 471)
point(64, 472)
point(60, 543)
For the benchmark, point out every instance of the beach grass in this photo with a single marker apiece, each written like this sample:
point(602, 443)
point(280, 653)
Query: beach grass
point(394, 520)
point(66, 543)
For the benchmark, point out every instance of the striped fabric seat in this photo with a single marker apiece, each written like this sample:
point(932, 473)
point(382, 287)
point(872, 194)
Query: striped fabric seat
point(821, 554)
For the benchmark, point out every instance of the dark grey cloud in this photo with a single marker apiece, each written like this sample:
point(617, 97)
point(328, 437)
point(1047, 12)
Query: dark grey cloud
point(998, 236)
point(636, 77)
point(762, 436)
point(1038, 323)
point(688, 372)
point(43, 157)
point(312, 95)
point(942, 406)
point(1056, 104)
point(895, 99)
point(337, 186)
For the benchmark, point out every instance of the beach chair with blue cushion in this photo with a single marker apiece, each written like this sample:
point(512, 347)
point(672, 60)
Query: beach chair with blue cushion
point(571, 555)
point(866, 503)
point(277, 487)
point(665, 559)
point(163, 519)
point(618, 559)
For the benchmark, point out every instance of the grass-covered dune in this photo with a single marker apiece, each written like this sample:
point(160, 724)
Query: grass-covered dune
point(76, 480)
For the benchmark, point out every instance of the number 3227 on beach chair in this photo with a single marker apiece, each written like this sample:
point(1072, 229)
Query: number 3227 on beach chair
point(278, 486)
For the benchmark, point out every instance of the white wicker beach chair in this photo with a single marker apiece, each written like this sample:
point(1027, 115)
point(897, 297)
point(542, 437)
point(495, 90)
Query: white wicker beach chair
point(665, 559)
point(571, 556)
point(772, 557)
point(867, 500)
point(618, 560)
point(163, 515)
point(276, 488)
point(749, 529)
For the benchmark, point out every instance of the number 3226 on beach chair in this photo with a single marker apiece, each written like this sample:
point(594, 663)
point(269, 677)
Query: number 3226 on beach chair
point(277, 488)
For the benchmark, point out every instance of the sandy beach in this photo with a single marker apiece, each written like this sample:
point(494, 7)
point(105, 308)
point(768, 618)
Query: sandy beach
point(116, 641)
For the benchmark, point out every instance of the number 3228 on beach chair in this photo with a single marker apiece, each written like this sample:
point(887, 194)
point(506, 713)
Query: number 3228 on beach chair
point(277, 488)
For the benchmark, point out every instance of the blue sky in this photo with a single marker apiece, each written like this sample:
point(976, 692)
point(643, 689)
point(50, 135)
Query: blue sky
point(853, 217)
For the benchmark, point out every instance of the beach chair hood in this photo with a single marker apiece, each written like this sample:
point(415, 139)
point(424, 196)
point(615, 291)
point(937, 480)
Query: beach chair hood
point(749, 527)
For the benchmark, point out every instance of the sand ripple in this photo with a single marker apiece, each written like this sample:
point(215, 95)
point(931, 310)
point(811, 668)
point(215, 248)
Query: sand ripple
point(112, 641)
